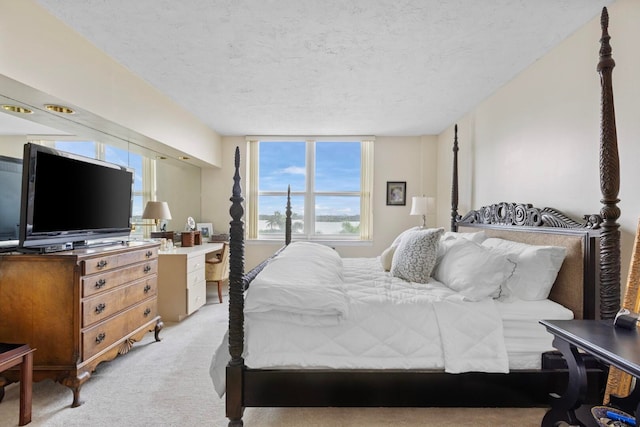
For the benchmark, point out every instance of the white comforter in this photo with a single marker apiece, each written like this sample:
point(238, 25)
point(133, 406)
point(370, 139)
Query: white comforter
point(391, 323)
point(387, 323)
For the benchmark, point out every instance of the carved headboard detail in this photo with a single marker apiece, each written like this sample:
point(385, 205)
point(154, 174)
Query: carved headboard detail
point(526, 215)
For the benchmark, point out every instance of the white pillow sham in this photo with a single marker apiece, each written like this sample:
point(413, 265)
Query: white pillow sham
point(473, 270)
point(416, 255)
point(477, 236)
point(386, 258)
point(536, 267)
point(449, 237)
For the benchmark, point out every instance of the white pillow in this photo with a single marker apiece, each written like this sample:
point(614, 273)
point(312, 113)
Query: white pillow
point(450, 237)
point(416, 255)
point(536, 267)
point(387, 257)
point(473, 270)
point(478, 236)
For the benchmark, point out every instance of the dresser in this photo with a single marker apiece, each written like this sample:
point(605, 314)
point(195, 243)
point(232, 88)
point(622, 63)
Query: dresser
point(182, 287)
point(78, 308)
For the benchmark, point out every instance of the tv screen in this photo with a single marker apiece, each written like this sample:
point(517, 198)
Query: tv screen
point(71, 201)
point(11, 182)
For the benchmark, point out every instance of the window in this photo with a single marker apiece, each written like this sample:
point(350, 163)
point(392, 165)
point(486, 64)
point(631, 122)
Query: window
point(330, 183)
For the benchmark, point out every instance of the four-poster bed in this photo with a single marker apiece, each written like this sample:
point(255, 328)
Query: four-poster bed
point(591, 245)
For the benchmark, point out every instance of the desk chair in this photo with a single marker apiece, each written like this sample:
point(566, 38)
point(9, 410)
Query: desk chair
point(217, 268)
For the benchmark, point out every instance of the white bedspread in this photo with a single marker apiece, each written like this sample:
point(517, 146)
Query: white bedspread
point(389, 324)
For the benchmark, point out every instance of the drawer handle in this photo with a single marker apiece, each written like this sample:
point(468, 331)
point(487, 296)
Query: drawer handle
point(101, 336)
point(149, 254)
point(100, 307)
point(102, 263)
point(147, 268)
point(147, 311)
point(147, 288)
point(100, 283)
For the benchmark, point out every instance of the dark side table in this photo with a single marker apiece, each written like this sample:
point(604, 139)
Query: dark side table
point(13, 355)
point(599, 338)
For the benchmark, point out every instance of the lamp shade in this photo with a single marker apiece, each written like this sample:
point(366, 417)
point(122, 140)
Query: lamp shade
point(156, 210)
point(418, 205)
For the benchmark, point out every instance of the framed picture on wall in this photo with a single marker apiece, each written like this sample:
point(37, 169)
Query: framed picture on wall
point(396, 193)
point(205, 229)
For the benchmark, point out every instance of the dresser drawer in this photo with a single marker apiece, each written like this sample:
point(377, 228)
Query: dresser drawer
point(196, 296)
point(99, 337)
point(106, 304)
point(110, 262)
point(195, 263)
point(110, 279)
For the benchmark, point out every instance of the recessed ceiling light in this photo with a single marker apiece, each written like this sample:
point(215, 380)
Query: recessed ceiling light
point(17, 109)
point(183, 157)
point(59, 109)
point(161, 158)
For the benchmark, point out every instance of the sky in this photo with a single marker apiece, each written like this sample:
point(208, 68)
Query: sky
point(337, 169)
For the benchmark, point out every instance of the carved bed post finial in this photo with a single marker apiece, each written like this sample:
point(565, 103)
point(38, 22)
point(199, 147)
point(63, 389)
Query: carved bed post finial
point(236, 270)
point(454, 184)
point(287, 223)
point(609, 183)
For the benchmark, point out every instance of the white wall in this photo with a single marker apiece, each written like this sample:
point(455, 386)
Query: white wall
point(12, 145)
point(410, 159)
point(537, 139)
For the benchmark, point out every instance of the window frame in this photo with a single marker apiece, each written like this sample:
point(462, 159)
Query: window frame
point(310, 194)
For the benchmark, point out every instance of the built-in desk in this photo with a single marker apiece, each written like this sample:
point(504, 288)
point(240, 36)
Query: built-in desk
point(182, 288)
point(599, 338)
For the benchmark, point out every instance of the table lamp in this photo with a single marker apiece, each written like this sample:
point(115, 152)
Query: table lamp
point(421, 205)
point(157, 211)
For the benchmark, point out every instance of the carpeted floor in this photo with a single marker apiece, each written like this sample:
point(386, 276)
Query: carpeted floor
point(167, 384)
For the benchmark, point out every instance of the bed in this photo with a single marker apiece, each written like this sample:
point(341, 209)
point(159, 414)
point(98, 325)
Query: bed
point(585, 286)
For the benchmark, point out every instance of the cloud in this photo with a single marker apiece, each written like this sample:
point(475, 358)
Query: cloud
point(293, 170)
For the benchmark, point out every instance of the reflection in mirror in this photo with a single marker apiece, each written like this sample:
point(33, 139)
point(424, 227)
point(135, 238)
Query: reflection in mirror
point(156, 176)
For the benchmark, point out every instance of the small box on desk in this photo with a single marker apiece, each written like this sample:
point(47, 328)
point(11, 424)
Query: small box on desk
point(190, 238)
point(162, 235)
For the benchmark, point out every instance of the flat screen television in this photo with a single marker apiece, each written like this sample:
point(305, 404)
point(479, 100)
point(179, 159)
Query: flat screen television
point(10, 187)
point(70, 201)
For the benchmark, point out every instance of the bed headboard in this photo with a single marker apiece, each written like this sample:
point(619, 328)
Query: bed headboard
point(577, 285)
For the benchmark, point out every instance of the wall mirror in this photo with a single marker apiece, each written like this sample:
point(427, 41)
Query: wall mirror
point(157, 175)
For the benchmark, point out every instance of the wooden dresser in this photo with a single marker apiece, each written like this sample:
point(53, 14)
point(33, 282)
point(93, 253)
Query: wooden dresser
point(78, 308)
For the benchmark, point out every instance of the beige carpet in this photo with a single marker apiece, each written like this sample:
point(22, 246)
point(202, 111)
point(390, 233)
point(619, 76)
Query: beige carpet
point(167, 384)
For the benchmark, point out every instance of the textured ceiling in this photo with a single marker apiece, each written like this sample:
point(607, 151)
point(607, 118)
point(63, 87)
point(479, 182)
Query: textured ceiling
point(326, 67)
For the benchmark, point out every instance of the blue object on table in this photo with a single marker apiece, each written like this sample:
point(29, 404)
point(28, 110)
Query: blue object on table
point(618, 417)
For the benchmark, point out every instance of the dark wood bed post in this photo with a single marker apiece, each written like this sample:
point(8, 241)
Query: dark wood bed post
point(236, 302)
point(454, 183)
point(609, 183)
point(287, 222)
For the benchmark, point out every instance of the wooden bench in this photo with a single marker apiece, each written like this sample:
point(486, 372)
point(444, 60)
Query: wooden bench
point(13, 355)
